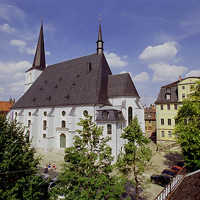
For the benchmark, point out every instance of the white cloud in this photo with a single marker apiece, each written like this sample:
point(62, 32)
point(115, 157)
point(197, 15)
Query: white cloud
point(115, 61)
point(193, 73)
point(47, 53)
point(167, 72)
point(18, 43)
point(6, 28)
point(10, 12)
point(161, 52)
point(142, 77)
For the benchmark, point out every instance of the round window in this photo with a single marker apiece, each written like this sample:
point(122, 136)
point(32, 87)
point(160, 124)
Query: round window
point(85, 113)
point(63, 113)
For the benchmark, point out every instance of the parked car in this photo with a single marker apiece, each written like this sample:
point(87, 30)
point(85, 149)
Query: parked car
point(169, 172)
point(176, 168)
point(161, 180)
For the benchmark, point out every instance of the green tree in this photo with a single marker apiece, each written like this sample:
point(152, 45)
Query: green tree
point(187, 129)
point(18, 167)
point(87, 169)
point(136, 155)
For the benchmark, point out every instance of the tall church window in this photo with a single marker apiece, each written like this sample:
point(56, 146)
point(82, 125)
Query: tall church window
point(63, 124)
point(130, 115)
point(45, 125)
point(62, 141)
point(29, 123)
point(109, 128)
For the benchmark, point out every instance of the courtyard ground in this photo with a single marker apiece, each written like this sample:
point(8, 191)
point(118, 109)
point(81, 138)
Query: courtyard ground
point(163, 157)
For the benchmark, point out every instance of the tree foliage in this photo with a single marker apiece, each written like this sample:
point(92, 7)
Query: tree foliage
point(187, 129)
point(136, 155)
point(18, 180)
point(88, 167)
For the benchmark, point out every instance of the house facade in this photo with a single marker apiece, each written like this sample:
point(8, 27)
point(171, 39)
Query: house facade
point(168, 101)
point(57, 96)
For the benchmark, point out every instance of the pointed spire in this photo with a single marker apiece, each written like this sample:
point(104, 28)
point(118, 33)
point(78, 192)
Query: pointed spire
point(100, 42)
point(39, 59)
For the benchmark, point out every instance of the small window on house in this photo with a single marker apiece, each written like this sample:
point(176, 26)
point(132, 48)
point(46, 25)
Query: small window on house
point(130, 115)
point(45, 113)
point(63, 124)
point(183, 96)
point(44, 135)
point(168, 106)
point(162, 121)
point(85, 113)
point(169, 122)
point(169, 133)
point(183, 87)
point(109, 128)
point(161, 107)
point(192, 87)
point(89, 67)
point(44, 125)
point(168, 96)
point(29, 114)
point(16, 114)
point(29, 123)
point(163, 133)
point(63, 113)
point(175, 106)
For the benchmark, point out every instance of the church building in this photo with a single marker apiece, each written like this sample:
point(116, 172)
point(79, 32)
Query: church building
point(57, 96)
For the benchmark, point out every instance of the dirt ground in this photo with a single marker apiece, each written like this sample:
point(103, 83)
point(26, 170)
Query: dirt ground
point(163, 157)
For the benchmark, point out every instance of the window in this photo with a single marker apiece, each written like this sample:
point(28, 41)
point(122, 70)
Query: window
point(63, 113)
point(62, 141)
point(168, 96)
point(29, 123)
point(183, 87)
point(162, 121)
point(109, 128)
point(163, 133)
point(192, 87)
point(168, 106)
point(63, 124)
point(169, 133)
point(44, 125)
point(16, 114)
point(176, 121)
point(44, 135)
point(169, 122)
point(161, 107)
point(45, 113)
point(89, 67)
point(175, 106)
point(85, 113)
point(168, 90)
point(130, 115)
point(183, 96)
point(29, 114)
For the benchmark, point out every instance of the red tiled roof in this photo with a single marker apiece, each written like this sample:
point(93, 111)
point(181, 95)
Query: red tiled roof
point(5, 106)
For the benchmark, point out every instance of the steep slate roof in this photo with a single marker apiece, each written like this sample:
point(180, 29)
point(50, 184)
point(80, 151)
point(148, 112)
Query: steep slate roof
point(188, 189)
point(75, 82)
point(121, 85)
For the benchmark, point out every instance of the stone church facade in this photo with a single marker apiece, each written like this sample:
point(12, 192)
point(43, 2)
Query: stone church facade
point(57, 96)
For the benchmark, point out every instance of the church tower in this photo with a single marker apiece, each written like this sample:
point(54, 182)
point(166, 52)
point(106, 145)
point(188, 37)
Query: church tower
point(100, 42)
point(39, 63)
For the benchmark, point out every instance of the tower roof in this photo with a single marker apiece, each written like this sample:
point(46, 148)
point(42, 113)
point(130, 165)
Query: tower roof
point(39, 59)
point(100, 34)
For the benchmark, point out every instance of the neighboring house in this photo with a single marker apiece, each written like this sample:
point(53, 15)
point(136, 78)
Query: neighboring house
point(150, 121)
point(5, 106)
point(57, 96)
point(167, 104)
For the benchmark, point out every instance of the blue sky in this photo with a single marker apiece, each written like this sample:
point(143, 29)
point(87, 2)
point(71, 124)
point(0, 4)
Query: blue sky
point(156, 41)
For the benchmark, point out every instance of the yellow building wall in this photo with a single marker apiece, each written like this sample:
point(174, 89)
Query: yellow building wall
point(184, 87)
point(165, 114)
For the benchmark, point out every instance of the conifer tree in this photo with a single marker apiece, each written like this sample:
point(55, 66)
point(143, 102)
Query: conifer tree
point(18, 167)
point(88, 166)
point(136, 155)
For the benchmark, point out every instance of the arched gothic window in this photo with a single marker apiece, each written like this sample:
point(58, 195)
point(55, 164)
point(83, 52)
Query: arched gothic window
point(130, 115)
point(62, 141)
